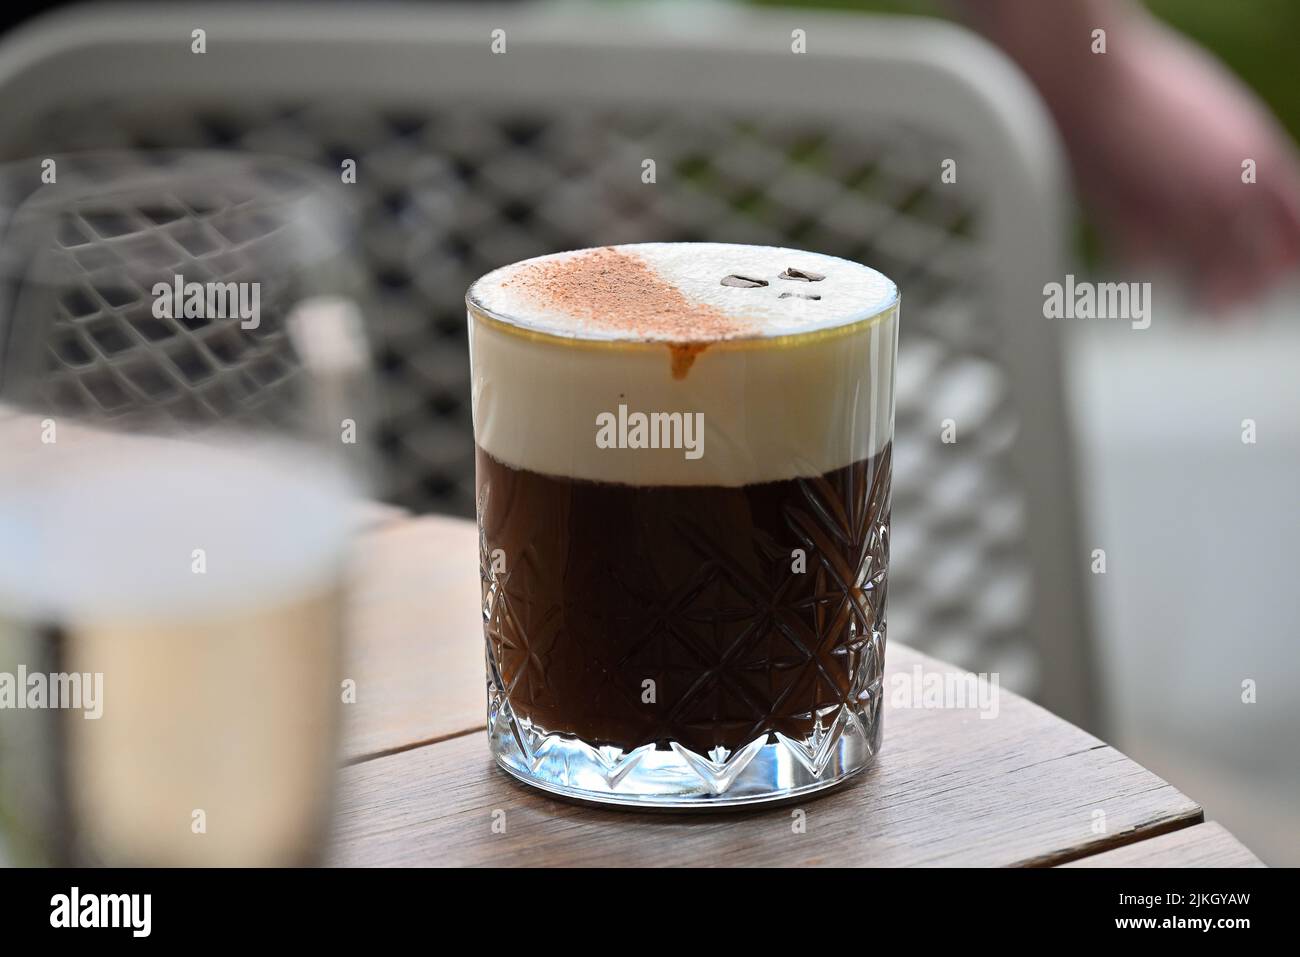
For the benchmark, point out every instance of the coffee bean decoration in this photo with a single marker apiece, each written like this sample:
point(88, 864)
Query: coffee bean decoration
point(743, 282)
point(801, 275)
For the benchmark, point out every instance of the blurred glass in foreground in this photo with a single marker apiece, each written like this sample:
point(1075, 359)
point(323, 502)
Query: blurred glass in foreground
point(180, 391)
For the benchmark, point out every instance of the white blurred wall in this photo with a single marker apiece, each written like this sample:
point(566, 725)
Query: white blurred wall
point(1202, 539)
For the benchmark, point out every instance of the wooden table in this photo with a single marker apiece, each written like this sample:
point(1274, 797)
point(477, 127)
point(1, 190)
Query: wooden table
point(948, 788)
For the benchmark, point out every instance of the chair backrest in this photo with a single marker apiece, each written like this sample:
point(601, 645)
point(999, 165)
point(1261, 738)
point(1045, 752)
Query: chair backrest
point(467, 159)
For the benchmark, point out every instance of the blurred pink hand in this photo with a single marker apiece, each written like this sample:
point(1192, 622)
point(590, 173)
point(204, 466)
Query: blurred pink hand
point(1159, 154)
point(1157, 132)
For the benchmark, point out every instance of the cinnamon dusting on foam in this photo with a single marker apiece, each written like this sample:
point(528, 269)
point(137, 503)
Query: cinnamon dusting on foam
point(615, 291)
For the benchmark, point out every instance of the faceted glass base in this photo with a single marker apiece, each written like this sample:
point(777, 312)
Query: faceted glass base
point(770, 768)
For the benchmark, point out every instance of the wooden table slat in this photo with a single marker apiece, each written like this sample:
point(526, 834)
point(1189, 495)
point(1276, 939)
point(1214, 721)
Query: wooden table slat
point(416, 648)
point(1205, 845)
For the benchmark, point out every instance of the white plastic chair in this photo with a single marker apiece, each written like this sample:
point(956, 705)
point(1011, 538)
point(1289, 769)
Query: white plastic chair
point(467, 159)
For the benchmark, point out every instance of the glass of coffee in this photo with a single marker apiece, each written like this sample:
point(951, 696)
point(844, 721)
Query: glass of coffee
point(683, 488)
point(178, 368)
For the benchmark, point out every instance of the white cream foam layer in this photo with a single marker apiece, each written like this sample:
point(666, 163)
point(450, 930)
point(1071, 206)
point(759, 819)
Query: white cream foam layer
point(772, 409)
point(848, 292)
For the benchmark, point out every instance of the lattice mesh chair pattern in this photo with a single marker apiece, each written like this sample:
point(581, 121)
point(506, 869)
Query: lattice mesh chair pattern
point(467, 161)
point(110, 232)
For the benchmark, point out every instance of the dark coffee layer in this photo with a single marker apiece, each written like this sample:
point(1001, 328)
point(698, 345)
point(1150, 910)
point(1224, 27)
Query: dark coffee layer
point(630, 615)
